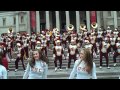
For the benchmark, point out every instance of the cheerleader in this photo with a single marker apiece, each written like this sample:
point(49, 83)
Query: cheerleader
point(84, 68)
point(72, 53)
point(58, 54)
point(20, 55)
point(104, 52)
point(37, 67)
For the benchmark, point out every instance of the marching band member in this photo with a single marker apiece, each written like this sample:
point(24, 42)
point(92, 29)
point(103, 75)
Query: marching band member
point(20, 55)
point(44, 45)
point(33, 41)
point(48, 38)
point(113, 42)
point(9, 49)
point(18, 38)
point(3, 39)
point(25, 42)
point(58, 54)
point(89, 46)
point(79, 41)
point(99, 39)
point(55, 39)
point(74, 37)
point(104, 52)
point(99, 35)
point(115, 32)
point(117, 53)
point(93, 42)
point(38, 37)
point(38, 45)
point(108, 31)
point(28, 39)
point(64, 38)
point(72, 53)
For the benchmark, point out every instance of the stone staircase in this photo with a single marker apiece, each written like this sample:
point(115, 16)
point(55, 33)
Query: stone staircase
point(103, 73)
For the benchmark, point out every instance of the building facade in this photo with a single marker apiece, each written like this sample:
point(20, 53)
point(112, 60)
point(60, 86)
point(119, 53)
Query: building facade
point(34, 21)
point(17, 20)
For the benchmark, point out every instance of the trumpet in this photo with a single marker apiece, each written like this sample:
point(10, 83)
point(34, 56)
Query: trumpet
point(94, 25)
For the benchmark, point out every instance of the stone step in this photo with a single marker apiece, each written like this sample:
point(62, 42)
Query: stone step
point(63, 67)
point(66, 76)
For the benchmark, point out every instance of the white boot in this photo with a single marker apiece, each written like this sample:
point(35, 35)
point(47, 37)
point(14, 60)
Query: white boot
point(115, 64)
point(55, 69)
point(16, 70)
point(100, 67)
point(108, 67)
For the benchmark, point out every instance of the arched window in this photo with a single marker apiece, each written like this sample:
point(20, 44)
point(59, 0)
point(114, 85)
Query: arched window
point(4, 21)
point(118, 13)
point(14, 20)
point(109, 14)
point(22, 19)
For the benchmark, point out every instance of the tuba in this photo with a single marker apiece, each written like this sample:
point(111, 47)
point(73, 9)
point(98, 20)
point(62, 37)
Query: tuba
point(70, 27)
point(82, 27)
point(10, 30)
point(94, 25)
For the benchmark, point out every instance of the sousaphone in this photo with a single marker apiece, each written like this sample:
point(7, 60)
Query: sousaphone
point(82, 27)
point(94, 25)
point(55, 30)
point(70, 27)
point(10, 30)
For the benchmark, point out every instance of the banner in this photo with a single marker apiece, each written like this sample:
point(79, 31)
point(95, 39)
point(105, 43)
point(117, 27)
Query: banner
point(93, 16)
point(33, 20)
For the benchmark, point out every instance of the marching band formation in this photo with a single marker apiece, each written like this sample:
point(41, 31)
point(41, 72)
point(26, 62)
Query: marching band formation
point(99, 42)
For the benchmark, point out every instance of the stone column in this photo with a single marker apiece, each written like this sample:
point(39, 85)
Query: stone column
point(57, 20)
point(67, 18)
point(38, 21)
point(88, 20)
point(47, 20)
point(77, 21)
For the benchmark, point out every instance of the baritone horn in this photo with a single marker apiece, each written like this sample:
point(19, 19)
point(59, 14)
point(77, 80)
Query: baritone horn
point(94, 25)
